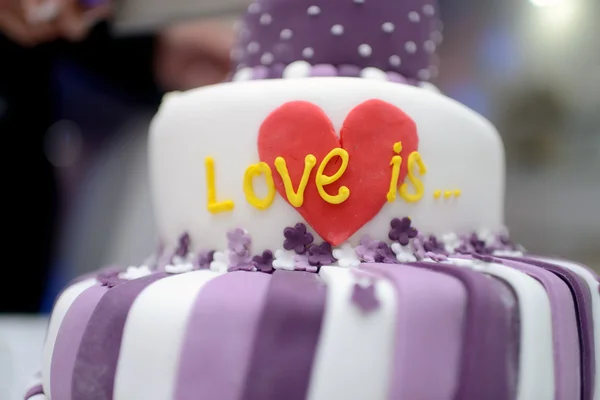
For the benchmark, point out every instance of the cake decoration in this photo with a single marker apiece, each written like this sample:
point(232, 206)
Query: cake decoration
point(252, 172)
point(358, 185)
point(401, 230)
point(364, 297)
point(391, 36)
point(284, 259)
point(346, 256)
point(404, 254)
point(220, 262)
point(264, 262)
point(213, 205)
point(297, 238)
point(135, 272)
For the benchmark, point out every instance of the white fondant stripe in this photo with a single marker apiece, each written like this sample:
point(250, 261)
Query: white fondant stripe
point(536, 359)
point(593, 286)
point(39, 397)
point(352, 344)
point(153, 335)
point(59, 311)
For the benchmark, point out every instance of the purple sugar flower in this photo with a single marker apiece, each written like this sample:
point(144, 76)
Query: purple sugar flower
point(238, 241)
point(264, 262)
point(437, 257)
point(385, 254)
point(319, 255)
point(479, 246)
point(204, 259)
point(183, 245)
point(433, 245)
point(297, 238)
point(419, 245)
point(302, 264)
point(402, 231)
point(365, 298)
point(367, 249)
point(109, 277)
point(240, 261)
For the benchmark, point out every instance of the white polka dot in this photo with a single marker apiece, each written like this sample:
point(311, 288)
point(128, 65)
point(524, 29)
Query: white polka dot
point(337, 30)
point(437, 37)
point(359, 1)
point(388, 27)
point(253, 47)
point(411, 47)
point(414, 16)
point(395, 60)
point(244, 74)
point(373, 73)
point(308, 52)
point(254, 8)
point(266, 19)
point(365, 50)
point(266, 59)
point(286, 34)
point(428, 9)
point(313, 10)
point(424, 74)
point(429, 46)
point(297, 69)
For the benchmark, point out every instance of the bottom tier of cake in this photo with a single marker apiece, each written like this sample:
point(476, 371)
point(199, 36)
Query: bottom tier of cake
point(464, 327)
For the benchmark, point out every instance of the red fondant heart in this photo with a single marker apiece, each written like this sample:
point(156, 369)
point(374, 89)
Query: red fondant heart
point(368, 134)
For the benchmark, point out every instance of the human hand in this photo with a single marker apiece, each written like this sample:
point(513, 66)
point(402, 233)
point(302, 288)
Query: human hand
point(193, 54)
point(31, 22)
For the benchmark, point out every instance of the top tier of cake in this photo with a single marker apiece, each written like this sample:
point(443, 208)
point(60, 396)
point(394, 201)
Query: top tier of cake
point(328, 123)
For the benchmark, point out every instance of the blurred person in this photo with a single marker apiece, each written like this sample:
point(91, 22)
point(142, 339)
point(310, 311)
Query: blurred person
point(34, 35)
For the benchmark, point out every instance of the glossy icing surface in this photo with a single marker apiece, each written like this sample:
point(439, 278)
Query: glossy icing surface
point(223, 122)
point(478, 327)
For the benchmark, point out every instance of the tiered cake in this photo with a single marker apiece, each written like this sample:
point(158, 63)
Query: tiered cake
point(331, 228)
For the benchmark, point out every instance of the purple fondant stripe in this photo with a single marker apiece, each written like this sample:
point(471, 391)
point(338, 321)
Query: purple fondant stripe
point(489, 367)
point(96, 362)
point(583, 305)
point(218, 341)
point(68, 340)
point(567, 370)
point(34, 391)
point(287, 337)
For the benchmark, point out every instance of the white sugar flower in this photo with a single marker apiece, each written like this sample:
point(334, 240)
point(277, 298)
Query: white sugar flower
point(134, 272)
point(403, 254)
point(451, 242)
point(346, 256)
point(284, 259)
point(487, 236)
point(179, 268)
point(220, 262)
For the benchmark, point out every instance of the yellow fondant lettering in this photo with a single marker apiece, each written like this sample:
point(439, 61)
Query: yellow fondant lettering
point(323, 180)
point(213, 205)
point(296, 199)
point(447, 194)
point(457, 193)
point(253, 171)
point(396, 163)
point(414, 160)
point(437, 194)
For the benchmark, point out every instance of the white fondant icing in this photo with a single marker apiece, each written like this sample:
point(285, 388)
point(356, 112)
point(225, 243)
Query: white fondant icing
point(59, 311)
point(345, 331)
point(39, 397)
point(222, 121)
point(243, 74)
point(179, 268)
point(536, 358)
point(146, 337)
point(593, 286)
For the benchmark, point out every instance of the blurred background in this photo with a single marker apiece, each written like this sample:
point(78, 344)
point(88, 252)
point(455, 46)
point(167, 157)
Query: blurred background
point(75, 112)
